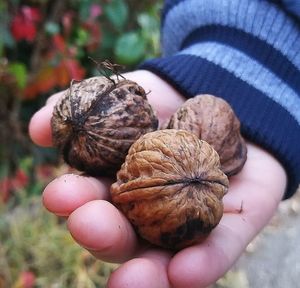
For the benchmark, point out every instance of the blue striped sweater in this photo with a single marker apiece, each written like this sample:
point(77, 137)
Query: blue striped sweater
point(247, 52)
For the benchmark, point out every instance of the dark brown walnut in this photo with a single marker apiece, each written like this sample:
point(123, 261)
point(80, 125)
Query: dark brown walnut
point(212, 119)
point(171, 188)
point(96, 121)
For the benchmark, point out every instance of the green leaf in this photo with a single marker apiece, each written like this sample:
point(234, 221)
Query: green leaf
point(82, 37)
point(130, 48)
point(52, 28)
point(26, 163)
point(108, 39)
point(117, 13)
point(147, 22)
point(150, 31)
point(35, 189)
point(6, 38)
point(83, 8)
point(20, 73)
point(4, 169)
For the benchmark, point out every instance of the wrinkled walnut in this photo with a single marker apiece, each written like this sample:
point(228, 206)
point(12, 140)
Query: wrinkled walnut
point(171, 188)
point(97, 120)
point(212, 120)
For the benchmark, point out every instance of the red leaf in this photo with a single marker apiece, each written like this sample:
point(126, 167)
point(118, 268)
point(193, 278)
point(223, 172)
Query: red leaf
point(62, 75)
point(43, 82)
point(5, 188)
point(67, 70)
point(23, 25)
point(20, 180)
point(10, 184)
point(50, 77)
point(95, 35)
point(59, 43)
point(44, 172)
point(30, 91)
point(31, 13)
point(21, 29)
point(26, 280)
point(46, 79)
point(75, 70)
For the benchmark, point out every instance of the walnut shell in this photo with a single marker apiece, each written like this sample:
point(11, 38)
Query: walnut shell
point(171, 188)
point(212, 120)
point(96, 121)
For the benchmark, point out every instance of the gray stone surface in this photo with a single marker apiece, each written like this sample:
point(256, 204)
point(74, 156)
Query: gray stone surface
point(273, 259)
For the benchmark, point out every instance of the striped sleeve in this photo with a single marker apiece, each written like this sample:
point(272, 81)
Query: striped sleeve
point(293, 6)
point(247, 52)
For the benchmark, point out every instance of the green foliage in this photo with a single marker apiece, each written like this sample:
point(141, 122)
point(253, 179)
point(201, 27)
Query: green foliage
point(130, 48)
point(52, 28)
point(117, 13)
point(6, 40)
point(19, 71)
point(45, 44)
point(130, 36)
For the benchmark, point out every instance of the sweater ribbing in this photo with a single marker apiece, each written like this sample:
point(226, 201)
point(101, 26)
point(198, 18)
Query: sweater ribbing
point(247, 52)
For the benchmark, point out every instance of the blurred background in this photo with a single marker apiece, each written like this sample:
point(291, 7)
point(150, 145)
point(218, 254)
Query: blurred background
point(43, 46)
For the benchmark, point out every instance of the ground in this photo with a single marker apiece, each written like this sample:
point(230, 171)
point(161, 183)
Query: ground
point(272, 259)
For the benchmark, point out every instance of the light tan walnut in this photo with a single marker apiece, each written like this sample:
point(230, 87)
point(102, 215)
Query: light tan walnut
point(171, 188)
point(212, 120)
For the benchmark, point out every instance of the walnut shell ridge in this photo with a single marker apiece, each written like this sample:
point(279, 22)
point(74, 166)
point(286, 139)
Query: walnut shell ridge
point(213, 120)
point(96, 120)
point(170, 187)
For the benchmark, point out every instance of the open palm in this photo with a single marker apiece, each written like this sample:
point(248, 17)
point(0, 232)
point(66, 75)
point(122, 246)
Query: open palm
point(99, 227)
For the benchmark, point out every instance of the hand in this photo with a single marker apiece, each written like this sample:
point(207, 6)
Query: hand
point(98, 226)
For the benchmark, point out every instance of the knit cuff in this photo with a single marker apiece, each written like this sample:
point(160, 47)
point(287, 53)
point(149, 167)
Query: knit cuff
point(247, 52)
point(293, 6)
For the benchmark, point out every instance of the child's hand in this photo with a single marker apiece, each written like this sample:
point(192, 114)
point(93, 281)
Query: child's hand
point(99, 227)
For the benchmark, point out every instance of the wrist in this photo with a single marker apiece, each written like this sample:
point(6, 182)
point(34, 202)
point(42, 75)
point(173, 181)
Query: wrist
point(163, 97)
point(274, 173)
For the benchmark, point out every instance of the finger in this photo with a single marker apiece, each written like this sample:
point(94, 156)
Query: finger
point(68, 192)
point(201, 265)
point(40, 123)
point(259, 188)
point(148, 270)
point(53, 99)
point(40, 127)
point(163, 97)
point(102, 229)
point(262, 181)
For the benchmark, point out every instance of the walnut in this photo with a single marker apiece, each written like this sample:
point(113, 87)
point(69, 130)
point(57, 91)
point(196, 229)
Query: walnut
point(171, 188)
point(212, 119)
point(97, 120)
